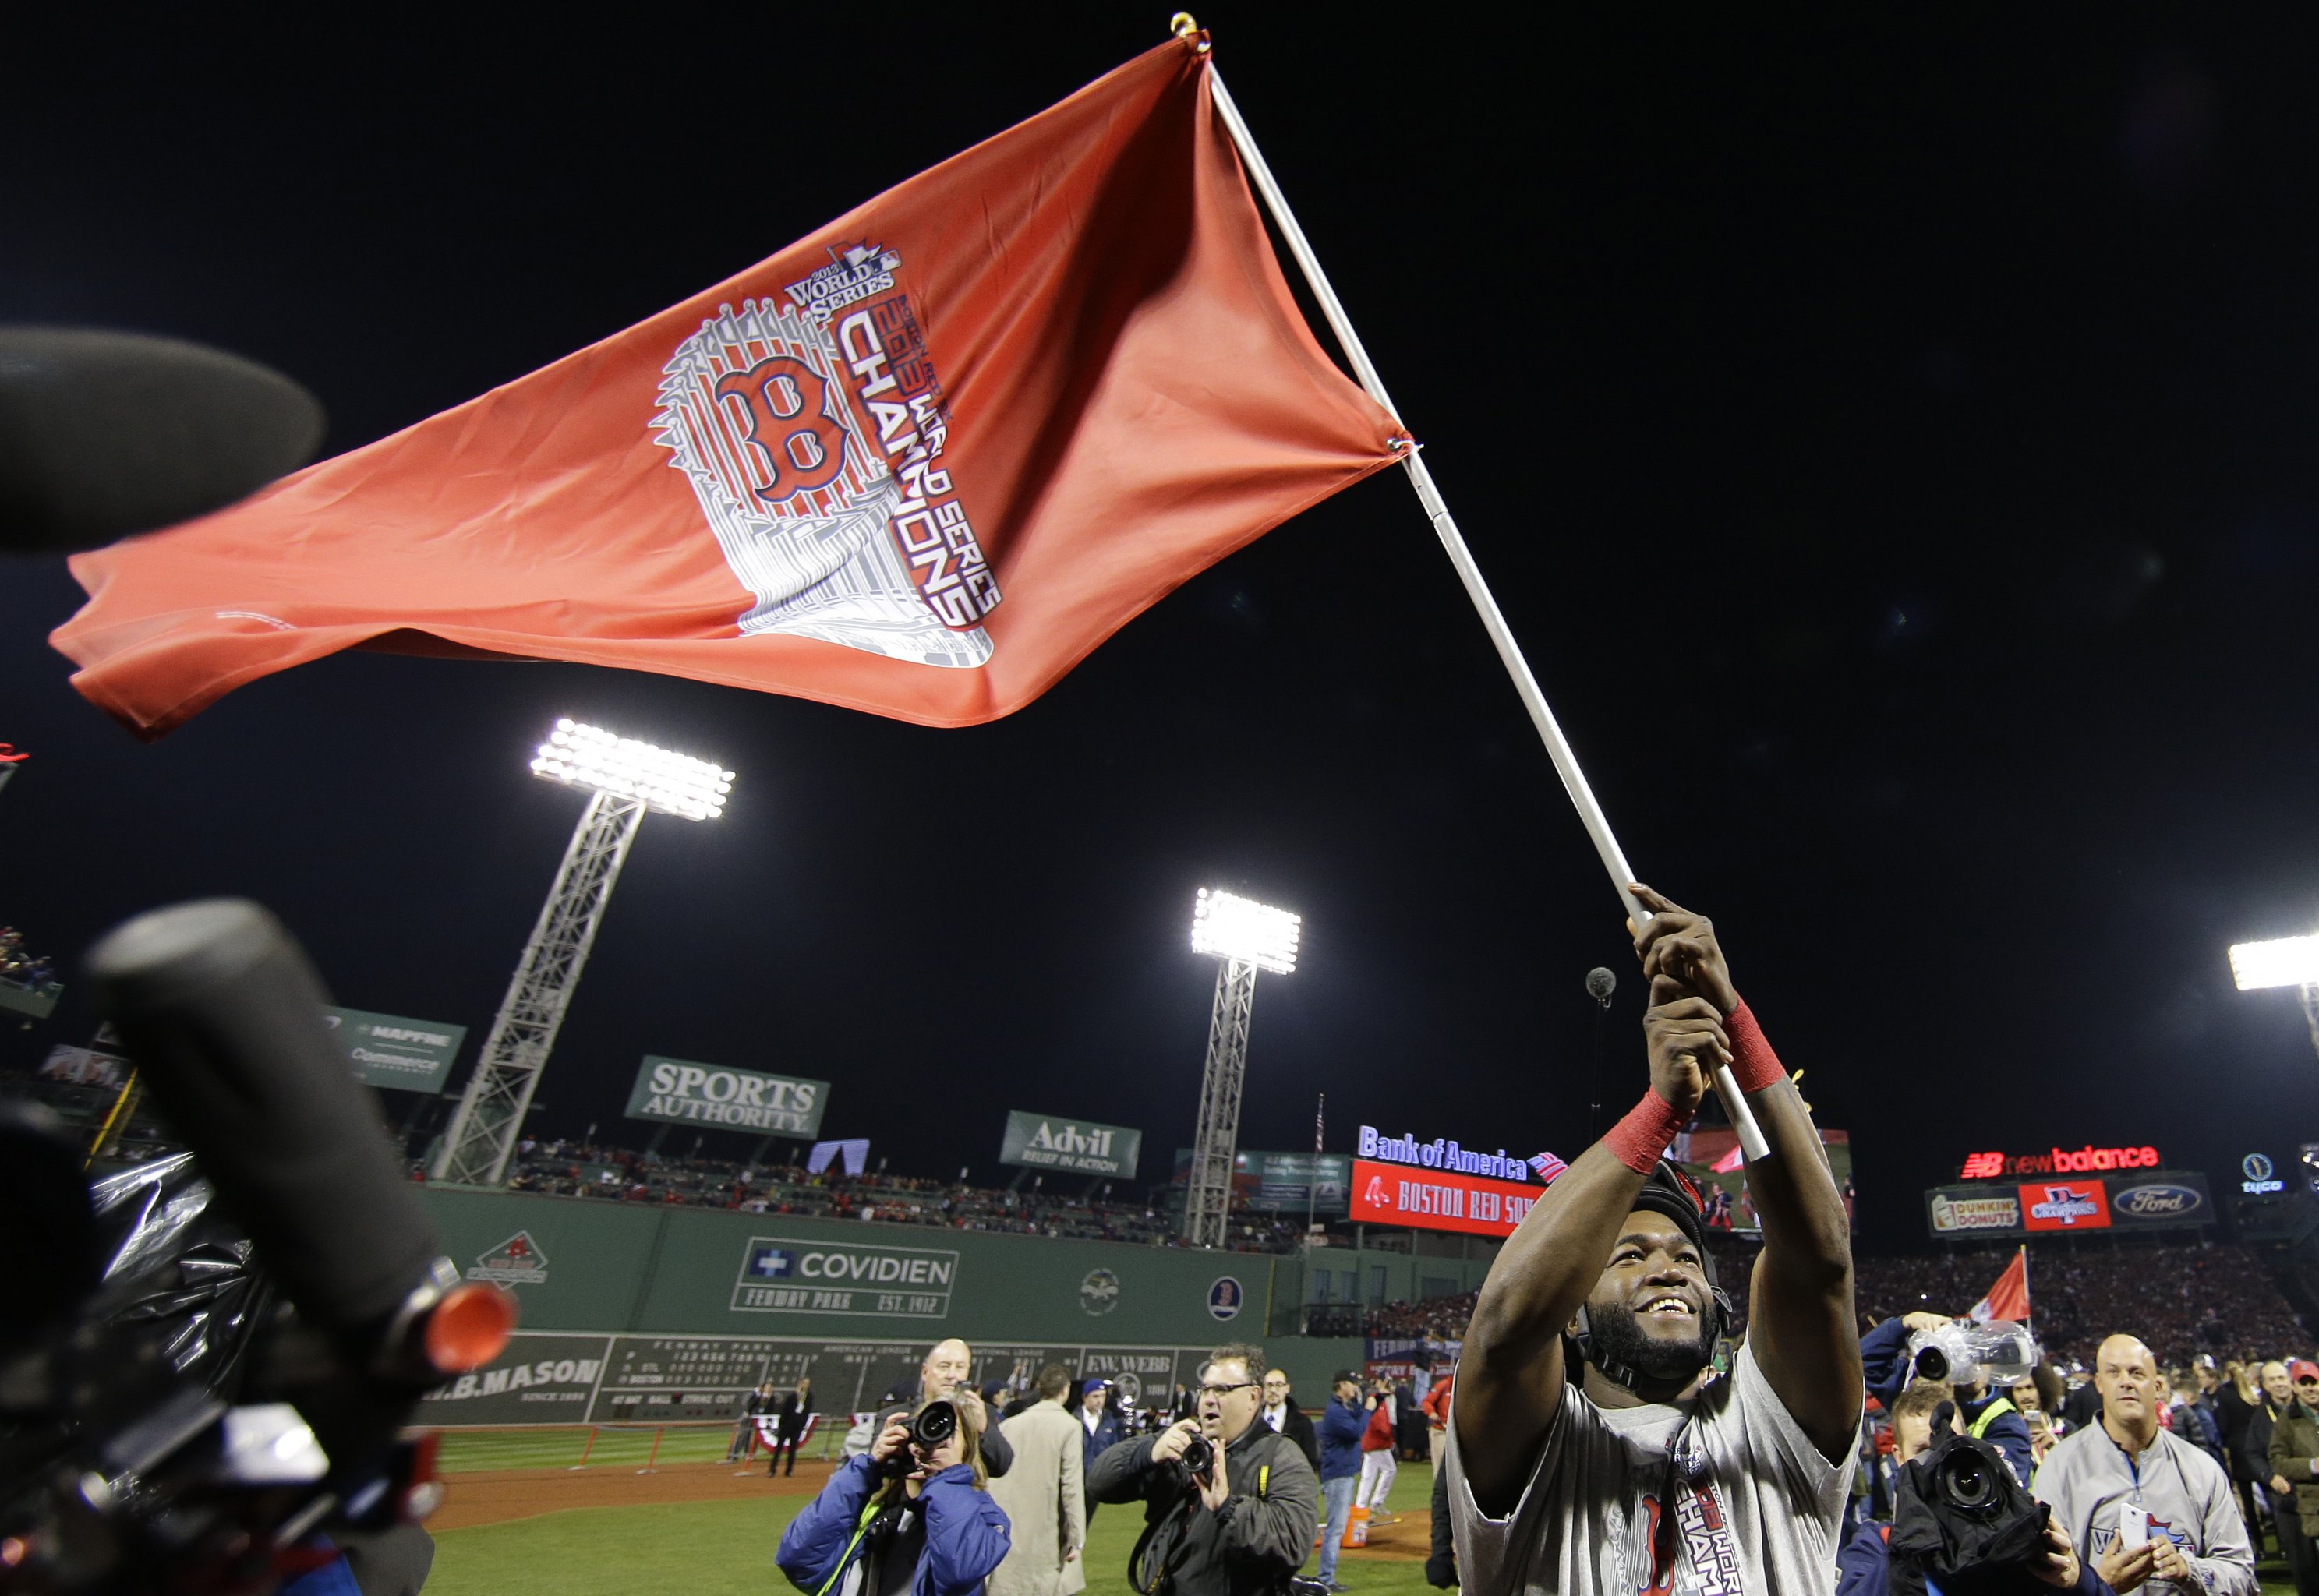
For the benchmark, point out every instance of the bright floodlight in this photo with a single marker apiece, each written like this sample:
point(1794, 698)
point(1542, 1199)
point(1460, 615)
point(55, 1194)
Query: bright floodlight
point(2290, 961)
point(581, 755)
point(1226, 925)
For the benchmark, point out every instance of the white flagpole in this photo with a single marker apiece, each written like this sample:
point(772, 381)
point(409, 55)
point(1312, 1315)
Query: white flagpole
point(1549, 731)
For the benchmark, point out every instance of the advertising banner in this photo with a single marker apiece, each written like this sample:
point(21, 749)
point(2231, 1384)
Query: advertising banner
point(2166, 1197)
point(566, 1378)
point(537, 1379)
point(716, 1097)
point(1080, 1146)
point(783, 1275)
point(1433, 1200)
point(1957, 1211)
point(397, 1053)
point(2065, 1205)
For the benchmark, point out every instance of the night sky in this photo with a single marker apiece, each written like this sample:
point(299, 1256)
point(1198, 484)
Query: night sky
point(1892, 437)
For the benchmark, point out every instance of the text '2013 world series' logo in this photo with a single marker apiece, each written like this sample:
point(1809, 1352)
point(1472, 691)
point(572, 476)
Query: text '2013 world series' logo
point(814, 430)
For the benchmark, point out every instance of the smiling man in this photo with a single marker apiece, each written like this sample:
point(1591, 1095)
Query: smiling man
point(2181, 1530)
point(1589, 1449)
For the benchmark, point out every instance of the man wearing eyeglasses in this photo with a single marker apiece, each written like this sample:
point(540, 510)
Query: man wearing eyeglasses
point(1244, 1526)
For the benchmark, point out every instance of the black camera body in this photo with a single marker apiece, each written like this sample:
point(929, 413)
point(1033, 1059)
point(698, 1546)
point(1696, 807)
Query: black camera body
point(1199, 1458)
point(1963, 1524)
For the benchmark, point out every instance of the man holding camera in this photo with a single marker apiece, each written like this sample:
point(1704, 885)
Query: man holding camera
point(1588, 1448)
point(2146, 1509)
point(947, 1372)
point(1230, 1503)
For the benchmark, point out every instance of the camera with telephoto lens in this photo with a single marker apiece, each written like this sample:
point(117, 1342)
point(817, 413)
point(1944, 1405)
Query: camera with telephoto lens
point(1961, 1522)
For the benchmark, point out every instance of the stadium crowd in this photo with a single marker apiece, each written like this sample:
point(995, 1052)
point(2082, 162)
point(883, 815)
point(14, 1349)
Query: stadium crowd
point(583, 1169)
point(33, 972)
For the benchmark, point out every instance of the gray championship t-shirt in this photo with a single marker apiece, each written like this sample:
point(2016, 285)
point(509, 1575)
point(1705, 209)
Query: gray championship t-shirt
point(1756, 1507)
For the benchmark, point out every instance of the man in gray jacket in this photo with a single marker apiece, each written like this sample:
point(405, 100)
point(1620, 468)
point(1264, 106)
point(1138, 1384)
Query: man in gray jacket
point(1243, 1528)
point(2146, 1510)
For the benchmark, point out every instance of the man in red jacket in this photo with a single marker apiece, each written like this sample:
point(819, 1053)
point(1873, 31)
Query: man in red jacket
point(1378, 1465)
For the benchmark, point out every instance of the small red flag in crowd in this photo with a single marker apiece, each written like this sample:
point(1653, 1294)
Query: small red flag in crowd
point(2009, 1299)
point(919, 462)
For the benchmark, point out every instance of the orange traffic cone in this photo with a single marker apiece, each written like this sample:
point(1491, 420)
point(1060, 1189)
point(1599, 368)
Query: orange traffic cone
point(1357, 1528)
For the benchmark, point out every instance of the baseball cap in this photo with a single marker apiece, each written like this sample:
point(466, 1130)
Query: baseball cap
point(2303, 1368)
point(1343, 1376)
point(1092, 1385)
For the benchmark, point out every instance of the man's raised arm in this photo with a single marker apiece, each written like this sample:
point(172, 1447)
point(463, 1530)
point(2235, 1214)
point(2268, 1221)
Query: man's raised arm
point(1511, 1374)
point(1799, 1320)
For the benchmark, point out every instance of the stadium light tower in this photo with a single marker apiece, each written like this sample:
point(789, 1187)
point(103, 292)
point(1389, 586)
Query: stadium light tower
point(1247, 936)
point(625, 780)
point(2289, 962)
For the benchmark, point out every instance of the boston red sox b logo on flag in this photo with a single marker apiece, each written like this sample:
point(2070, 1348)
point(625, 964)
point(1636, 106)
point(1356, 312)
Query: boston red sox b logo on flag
point(814, 433)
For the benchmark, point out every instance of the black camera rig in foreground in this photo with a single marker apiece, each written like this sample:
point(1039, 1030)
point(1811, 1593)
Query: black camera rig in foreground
point(207, 1361)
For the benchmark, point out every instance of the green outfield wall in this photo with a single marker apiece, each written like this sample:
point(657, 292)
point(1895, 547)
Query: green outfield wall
point(641, 1313)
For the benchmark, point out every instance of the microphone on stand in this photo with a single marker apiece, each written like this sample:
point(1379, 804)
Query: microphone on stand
point(1599, 984)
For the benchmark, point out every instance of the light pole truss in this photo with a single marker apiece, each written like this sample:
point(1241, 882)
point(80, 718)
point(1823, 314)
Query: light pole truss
point(1207, 1199)
point(490, 1116)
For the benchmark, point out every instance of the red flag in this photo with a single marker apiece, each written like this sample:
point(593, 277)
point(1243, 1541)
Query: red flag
point(920, 463)
point(2009, 1298)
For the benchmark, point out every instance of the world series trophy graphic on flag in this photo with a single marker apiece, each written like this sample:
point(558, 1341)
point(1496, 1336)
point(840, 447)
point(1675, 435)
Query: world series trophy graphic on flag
point(857, 539)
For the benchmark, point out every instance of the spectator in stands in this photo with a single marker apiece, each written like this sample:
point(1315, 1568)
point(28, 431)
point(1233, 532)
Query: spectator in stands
point(1342, 1423)
point(2293, 1458)
point(1246, 1526)
point(1559, 1442)
point(1378, 1465)
point(1282, 1416)
point(2125, 1460)
point(933, 1517)
point(2275, 1401)
point(1044, 1495)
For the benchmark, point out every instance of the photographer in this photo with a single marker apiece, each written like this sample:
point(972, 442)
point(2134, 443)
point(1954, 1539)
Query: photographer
point(1988, 1414)
point(2143, 1506)
point(947, 1374)
point(1240, 1526)
point(1863, 1568)
point(907, 1506)
point(1588, 1448)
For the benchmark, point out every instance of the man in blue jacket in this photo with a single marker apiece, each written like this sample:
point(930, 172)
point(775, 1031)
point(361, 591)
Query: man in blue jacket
point(1342, 1424)
point(1101, 1423)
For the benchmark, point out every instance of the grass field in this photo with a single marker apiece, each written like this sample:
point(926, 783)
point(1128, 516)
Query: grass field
point(603, 1446)
point(726, 1549)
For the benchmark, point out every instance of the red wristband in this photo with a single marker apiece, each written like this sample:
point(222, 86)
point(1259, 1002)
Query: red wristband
point(1640, 1138)
point(1754, 1064)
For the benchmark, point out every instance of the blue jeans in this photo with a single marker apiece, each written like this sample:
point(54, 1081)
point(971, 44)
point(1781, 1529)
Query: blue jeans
point(1336, 1500)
